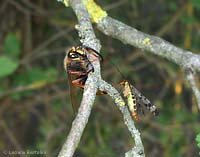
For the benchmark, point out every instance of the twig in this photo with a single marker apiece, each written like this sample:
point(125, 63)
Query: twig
point(10, 135)
point(87, 38)
point(93, 82)
point(138, 149)
point(171, 22)
point(190, 77)
point(37, 51)
point(36, 8)
point(156, 45)
point(79, 123)
point(114, 5)
point(3, 6)
point(19, 6)
point(32, 86)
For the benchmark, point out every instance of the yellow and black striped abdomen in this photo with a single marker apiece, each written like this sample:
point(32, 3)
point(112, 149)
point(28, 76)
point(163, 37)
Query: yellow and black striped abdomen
point(131, 99)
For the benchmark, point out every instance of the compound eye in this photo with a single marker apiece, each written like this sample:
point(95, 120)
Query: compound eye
point(73, 55)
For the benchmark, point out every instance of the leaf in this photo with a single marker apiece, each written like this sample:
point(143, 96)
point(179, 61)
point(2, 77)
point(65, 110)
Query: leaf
point(196, 3)
point(37, 74)
point(173, 6)
point(198, 138)
point(188, 19)
point(7, 66)
point(12, 45)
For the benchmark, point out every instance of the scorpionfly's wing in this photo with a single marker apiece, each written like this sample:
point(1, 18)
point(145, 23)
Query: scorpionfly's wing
point(143, 103)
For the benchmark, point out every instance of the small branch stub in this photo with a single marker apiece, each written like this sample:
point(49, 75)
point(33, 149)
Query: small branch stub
point(190, 77)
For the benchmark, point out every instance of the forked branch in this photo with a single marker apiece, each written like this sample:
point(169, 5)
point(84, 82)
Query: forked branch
point(158, 46)
point(129, 35)
point(87, 38)
point(190, 75)
point(93, 82)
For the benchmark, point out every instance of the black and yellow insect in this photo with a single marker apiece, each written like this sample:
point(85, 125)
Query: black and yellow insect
point(136, 101)
point(78, 65)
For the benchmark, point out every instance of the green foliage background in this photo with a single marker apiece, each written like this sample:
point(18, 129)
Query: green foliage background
point(35, 108)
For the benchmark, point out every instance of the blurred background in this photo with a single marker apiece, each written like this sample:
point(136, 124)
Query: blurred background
point(35, 109)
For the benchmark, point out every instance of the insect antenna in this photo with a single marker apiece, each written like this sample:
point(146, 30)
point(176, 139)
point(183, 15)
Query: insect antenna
point(118, 70)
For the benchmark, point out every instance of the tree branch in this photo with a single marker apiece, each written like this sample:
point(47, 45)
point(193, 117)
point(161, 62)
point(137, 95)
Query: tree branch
point(156, 45)
point(190, 77)
point(138, 149)
point(87, 38)
point(93, 82)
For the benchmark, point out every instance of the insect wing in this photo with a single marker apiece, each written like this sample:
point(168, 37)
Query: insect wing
point(72, 94)
point(78, 66)
point(94, 52)
point(143, 102)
